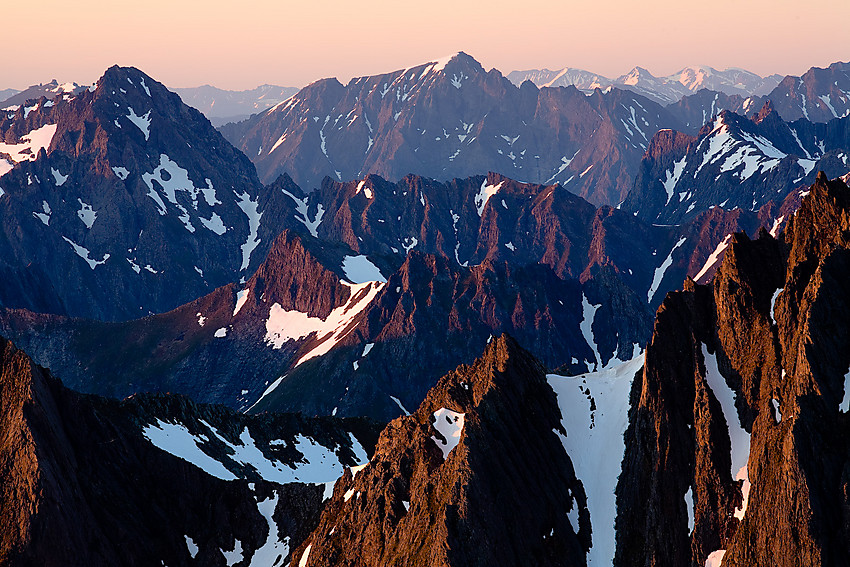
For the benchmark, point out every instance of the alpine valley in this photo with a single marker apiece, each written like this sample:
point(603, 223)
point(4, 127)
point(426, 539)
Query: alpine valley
point(439, 316)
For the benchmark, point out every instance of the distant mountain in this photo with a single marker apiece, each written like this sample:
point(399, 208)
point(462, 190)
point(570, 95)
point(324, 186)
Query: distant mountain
point(121, 201)
point(818, 96)
point(15, 98)
point(157, 479)
point(222, 106)
point(737, 162)
point(6, 94)
point(566, 77)
point(451, 119)
point(696, 110)
point(663, 90)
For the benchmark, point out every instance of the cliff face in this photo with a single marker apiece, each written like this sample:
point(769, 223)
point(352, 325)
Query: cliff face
point(476, 476)
point(737, 443)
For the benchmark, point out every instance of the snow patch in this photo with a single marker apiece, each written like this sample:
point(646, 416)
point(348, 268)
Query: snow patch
point(143, 123)
point(777, 414)
point(366, 189)
point(221, 333)
point(235, 556)
point(738, 436)
point(449, 425)
point(172, 178)
point(303, 561)
point(214, 224)
point(31, 143)
point(715, 558)
point(58, 178)
point(193, 549)
point(773, 303)
point(283, 325)
point(83, 253)
point(175, 438)
point(587, 317)
point(713, 258)
point(845, 402)
point(774, 230)
point(86, 213)
point(673, 178)
point(241, 298)
point(250, 208)
point(689, 506)
point(595, 443)
point(121, 172)
point(400, 406)
point(273, 548)
point(661, 270)
point(301, 208)
point(484, 193)
point(359, 269)
point(45, 216)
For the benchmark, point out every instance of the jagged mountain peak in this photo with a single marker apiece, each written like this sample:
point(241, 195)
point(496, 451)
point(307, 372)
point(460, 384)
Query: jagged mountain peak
point(437, 488)
point(757, 163)
point(634, 75)
point(151, 182)
point(780, 397)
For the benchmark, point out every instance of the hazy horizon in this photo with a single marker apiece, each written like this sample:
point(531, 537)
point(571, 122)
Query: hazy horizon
point(196, 43)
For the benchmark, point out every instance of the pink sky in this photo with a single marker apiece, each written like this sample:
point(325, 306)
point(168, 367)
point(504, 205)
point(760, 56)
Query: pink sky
point(239, 45)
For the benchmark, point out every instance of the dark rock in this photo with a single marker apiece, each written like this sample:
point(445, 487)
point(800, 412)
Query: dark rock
point(412, 506)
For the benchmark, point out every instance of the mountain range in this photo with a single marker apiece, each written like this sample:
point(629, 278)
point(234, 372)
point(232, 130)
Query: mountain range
point(664, 90)
point(223, 106)
point(501, 435)
point(452, 119)
point(368, 347)
point(220, 106)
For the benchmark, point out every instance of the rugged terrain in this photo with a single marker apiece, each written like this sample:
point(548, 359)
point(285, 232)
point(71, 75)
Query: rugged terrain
point(482, 447)
point(121, 201)
point(452, 119)
point(352, 313)
point(755, 164)
point(736, 441)
point(156, 479)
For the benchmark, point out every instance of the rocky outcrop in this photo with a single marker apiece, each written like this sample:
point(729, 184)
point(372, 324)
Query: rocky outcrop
point(155, 479)
point(736, 443)
point(475, 476)
point(696, 110)
point(431, 314)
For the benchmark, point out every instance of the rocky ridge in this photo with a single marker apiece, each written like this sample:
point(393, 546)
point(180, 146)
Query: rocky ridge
point(153, 479)
point(758, 164)
point(482, 447)
point(737, 424)
point(575, 284)
point(121, 201)
point(452, 119)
